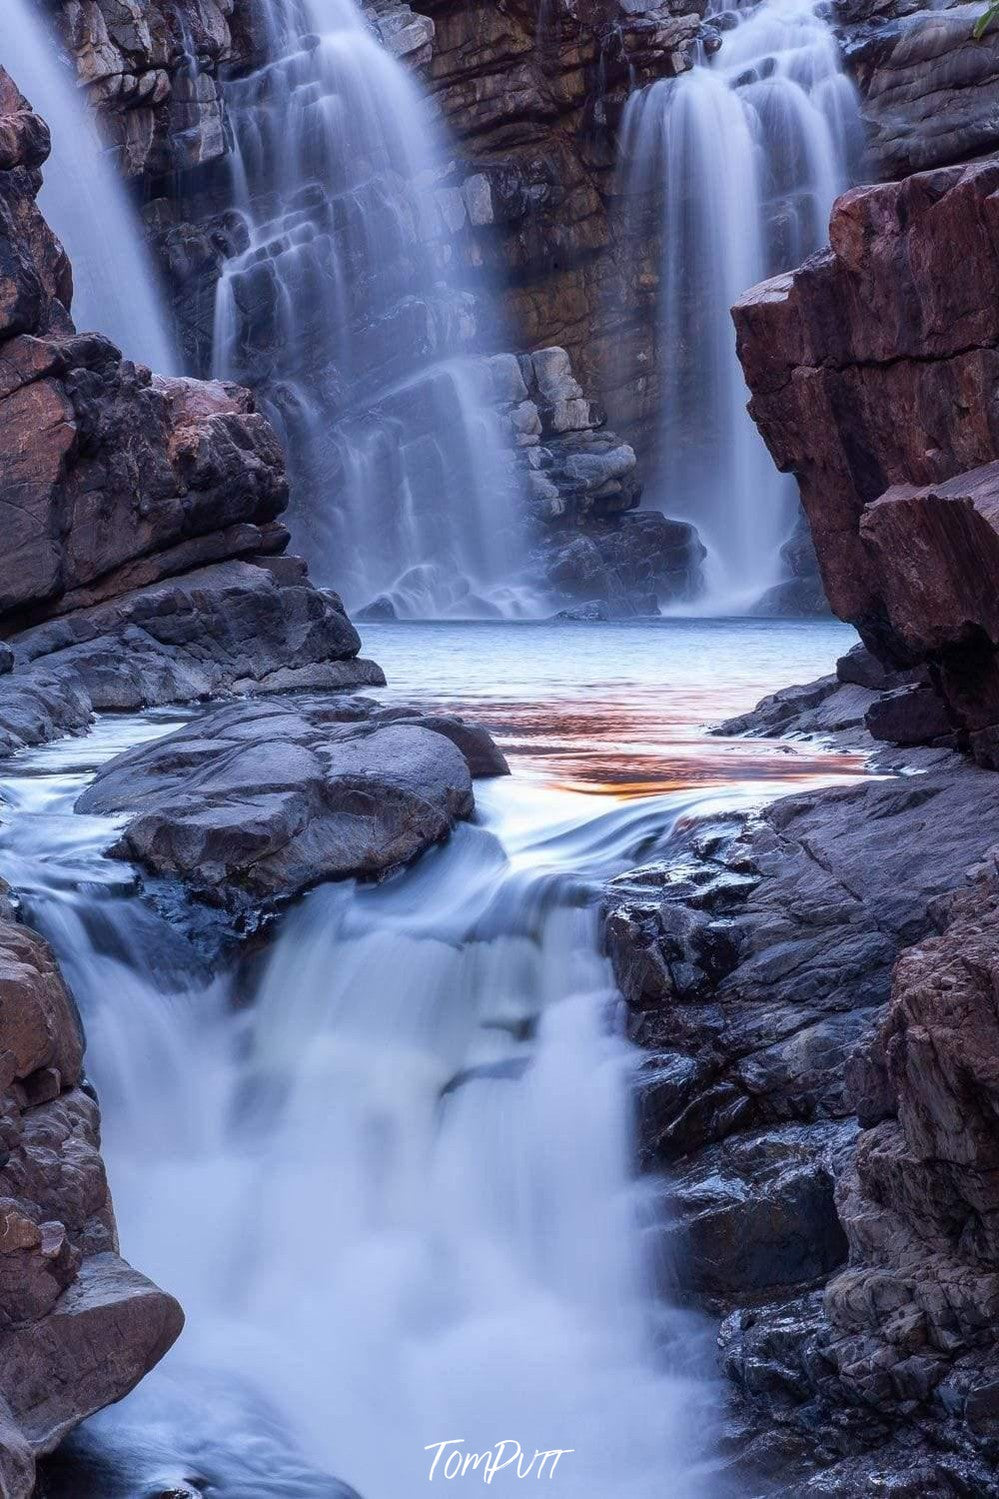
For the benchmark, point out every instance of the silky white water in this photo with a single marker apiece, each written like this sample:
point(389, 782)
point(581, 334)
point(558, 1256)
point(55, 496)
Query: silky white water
point(745, 153)
point(390, 1175)
point(340, 311)
point(83, 198)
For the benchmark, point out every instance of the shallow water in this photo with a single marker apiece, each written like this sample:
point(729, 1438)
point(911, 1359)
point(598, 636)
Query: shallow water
point(389, 1172)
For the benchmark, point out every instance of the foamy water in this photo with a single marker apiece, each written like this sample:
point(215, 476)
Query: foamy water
point(389, 1171)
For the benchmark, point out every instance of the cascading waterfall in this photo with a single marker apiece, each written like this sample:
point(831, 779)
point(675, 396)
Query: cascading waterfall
point(339, 312)
point(390, 1174)
point(746, 153)
point(395, 1197)
point(83, 198)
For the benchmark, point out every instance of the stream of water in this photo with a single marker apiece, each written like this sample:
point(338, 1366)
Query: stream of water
point(742, 157)
point(388, 1168)
point(341, 311)
point(84, 199)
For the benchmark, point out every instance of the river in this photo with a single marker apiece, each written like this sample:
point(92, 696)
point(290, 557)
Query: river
point(386, 1164)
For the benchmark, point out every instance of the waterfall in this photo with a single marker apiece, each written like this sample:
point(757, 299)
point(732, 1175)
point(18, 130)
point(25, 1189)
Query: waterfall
point(340, 313)
point(742, 156)
point(84, 200)
point(395, 1195)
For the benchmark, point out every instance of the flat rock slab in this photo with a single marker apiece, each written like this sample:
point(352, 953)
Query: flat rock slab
point(258, 801)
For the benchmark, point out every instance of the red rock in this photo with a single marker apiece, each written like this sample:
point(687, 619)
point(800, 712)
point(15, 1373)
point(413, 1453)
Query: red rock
point(874, 371)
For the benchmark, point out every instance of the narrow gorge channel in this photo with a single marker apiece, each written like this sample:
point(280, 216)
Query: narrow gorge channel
point(499, 732)
point(415, 1106)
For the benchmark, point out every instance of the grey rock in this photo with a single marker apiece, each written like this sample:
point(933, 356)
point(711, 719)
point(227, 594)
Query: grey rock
point(256, 802)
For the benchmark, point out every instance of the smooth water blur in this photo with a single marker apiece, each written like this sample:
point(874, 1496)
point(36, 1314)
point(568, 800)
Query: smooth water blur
point(341, 312)
point(745, 153)
point(83, 199)
point(621, 707)
point(390, 1173)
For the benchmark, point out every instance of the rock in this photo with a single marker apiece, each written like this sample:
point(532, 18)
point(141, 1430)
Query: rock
point(592, 611)
point(912, 1320)
point(927, 88)
point(873, 370)
point(763, 952)
point(78, 1327)
point(911, 715)
point(255, 802)
point(482, 755)
point(534, 94)
point(632, 566)
point(140, 515)
point(236, 627)
point(797, 598)
point(151, 71)
point(756, 1213)
point(826, 708)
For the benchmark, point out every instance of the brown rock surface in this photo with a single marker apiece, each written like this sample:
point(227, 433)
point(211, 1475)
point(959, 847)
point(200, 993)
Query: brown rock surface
point(78, 1327)
point(874, 370)
point(142, 511)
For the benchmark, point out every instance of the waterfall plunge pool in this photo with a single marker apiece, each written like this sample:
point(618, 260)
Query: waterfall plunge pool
point(387, 1167)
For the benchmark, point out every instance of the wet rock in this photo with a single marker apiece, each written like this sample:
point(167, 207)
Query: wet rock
point(256, 802)
point(633, 566)
point(826, 708)
point(761, 956)
point(927, 87)
point(756, 1213)
point(236, 627)
point(78, 1327)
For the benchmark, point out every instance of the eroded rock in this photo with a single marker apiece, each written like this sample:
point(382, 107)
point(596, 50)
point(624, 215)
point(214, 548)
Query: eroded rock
point(78, 1326)
point(255, 802)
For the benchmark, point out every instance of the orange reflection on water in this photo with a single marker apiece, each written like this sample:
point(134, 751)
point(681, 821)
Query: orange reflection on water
point(641, 743)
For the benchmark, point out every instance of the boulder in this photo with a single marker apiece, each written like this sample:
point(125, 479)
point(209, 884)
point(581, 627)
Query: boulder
point(254, 803)
point(928, 88)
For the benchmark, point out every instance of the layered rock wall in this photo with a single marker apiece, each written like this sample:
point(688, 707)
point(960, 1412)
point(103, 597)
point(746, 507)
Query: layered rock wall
point(874, 370)
point(78, 1326)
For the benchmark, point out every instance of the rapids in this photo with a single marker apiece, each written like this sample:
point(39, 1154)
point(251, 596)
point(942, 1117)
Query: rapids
point(387, 1165)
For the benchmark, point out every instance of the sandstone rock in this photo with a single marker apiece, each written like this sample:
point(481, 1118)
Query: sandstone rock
point(78, 1327)
point(873, 371)
point(928, 89)
point(254, 803)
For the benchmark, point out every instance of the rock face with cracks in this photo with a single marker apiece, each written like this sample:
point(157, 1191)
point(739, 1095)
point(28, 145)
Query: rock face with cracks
point(78, 1326)
point(874, 370)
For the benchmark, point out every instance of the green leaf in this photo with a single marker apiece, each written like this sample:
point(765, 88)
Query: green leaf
point(985, 20)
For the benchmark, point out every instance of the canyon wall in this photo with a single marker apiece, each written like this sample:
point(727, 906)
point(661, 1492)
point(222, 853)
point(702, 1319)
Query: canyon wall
point(874, 371)
point(136, 508)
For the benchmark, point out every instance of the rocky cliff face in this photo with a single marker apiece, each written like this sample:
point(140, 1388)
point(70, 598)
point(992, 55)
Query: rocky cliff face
point(137, 509)
point(928, 88)
point(874, 376)
point(78, 1326)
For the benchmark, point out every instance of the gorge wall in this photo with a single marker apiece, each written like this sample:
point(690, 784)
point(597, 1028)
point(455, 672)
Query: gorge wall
point(874, 376)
